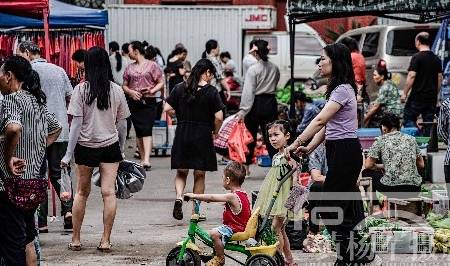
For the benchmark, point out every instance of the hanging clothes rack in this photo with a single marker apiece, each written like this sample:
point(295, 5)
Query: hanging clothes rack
point(63, 43)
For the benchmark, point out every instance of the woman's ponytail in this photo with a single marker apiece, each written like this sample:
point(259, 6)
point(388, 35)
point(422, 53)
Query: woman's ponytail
point(119, 61)
point(32, 84)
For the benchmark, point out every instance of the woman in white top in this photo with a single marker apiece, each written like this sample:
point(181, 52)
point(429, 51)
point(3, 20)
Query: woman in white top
point(99, 111)
point(118, 62)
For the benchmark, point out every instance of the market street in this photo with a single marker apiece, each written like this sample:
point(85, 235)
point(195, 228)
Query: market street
point(145, 232)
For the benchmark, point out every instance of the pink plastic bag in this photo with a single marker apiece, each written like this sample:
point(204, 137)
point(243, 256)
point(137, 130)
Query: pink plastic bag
point(240, 137)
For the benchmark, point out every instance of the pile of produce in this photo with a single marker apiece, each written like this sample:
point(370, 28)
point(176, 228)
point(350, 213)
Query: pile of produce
point(442, 240)
point(317, 244)
point(283, 95)
point(438, 220)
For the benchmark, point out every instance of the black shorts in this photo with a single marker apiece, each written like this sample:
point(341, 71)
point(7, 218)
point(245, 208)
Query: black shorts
point(92, 157)
point(17, 229)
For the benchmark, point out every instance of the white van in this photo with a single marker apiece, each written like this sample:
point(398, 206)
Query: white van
point(394, 44)
point(308, 48)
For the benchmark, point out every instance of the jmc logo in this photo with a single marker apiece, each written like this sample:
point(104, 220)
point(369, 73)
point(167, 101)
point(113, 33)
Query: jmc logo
point(257, 18)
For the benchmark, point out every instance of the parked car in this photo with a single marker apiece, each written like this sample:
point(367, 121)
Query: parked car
point(394, 44)
point(308, 47)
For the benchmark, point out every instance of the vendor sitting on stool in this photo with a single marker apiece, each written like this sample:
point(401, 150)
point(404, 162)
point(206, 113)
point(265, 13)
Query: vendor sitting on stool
point(401, 159)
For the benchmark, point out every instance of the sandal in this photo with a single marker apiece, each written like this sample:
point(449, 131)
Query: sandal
point(178, 209)
point(290, 263)
point(202, 217)
point(74, 247)
point(68, 223)
point(105, 249)
point(216, 261)
point(147, 167)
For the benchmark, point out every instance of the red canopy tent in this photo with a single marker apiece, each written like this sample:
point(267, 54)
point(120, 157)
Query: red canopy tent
point(30, 8)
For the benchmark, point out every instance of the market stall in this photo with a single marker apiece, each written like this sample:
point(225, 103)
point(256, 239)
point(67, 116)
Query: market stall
point(71, 28)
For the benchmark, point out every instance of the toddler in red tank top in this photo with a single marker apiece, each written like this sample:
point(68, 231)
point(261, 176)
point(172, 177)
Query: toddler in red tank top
point(236, 211)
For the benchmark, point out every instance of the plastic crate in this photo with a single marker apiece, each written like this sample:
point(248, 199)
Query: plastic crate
point(412, 131)
point(159, 136)
point(440, 201)
point(160, 123)
point(366, 142)
point(264, 161)
point(369, 132)
point(422, 140)
point(403, 240)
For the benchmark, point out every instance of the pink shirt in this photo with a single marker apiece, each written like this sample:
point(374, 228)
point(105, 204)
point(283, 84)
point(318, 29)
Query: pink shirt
point(143, 77)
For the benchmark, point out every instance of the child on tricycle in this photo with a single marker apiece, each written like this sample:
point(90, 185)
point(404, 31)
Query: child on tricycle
point(236, 212)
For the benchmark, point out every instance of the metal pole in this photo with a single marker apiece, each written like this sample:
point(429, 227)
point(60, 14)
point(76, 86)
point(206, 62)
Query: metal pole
point(292, 61)
point(46, 34)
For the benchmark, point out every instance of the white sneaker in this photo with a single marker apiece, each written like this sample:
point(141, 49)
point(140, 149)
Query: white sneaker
point(377, 261)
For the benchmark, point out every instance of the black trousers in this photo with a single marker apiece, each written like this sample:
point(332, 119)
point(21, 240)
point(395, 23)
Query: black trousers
point(55, 153)
point(263, 112)
point(313, 202)
point(17, 229)
point(406, 191)
point(341, 203)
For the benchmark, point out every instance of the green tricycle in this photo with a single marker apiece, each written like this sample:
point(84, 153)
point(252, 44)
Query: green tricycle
point(258, 242)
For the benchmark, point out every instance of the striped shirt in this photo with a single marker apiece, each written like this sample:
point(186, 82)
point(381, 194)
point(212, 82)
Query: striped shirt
point(37, 123)
point(444, 127)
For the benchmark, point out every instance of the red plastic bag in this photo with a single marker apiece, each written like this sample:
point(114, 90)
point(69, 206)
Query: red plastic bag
point(240, 137)
point(224, 133)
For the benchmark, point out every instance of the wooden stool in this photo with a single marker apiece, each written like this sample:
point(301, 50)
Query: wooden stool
point(366, 183)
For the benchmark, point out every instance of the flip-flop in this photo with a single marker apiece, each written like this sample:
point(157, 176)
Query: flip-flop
point(178, 209)
point(106, 249)
point(73, 247)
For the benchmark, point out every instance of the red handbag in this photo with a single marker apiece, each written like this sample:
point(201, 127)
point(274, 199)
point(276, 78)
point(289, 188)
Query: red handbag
point(26, 194)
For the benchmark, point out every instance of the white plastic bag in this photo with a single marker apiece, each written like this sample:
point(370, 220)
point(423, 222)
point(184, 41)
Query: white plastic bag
point(65, 192)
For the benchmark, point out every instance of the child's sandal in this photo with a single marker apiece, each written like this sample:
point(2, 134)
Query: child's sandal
point(216, 261)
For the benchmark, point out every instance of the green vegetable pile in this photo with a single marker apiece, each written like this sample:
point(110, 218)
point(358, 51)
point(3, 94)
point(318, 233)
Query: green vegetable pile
point(438, 220)
point(284, 94)
point(442, 240)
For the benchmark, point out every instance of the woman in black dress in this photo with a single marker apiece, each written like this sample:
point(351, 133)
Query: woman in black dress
point(198, 108)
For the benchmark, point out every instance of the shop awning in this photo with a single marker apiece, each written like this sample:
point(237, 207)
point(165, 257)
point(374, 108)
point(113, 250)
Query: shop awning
point(29, 8)
point(422, 11)
point(61, 15)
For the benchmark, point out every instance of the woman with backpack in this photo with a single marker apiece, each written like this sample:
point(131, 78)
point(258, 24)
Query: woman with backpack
point(99, 111)
point(28, 128)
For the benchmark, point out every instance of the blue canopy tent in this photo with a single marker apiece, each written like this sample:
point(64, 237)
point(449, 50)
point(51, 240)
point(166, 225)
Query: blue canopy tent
point(61, 15)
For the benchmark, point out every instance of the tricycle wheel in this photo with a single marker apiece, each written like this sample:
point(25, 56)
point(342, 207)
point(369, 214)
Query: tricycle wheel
point(260, 260)
point(279, 259)
point(191, 258)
